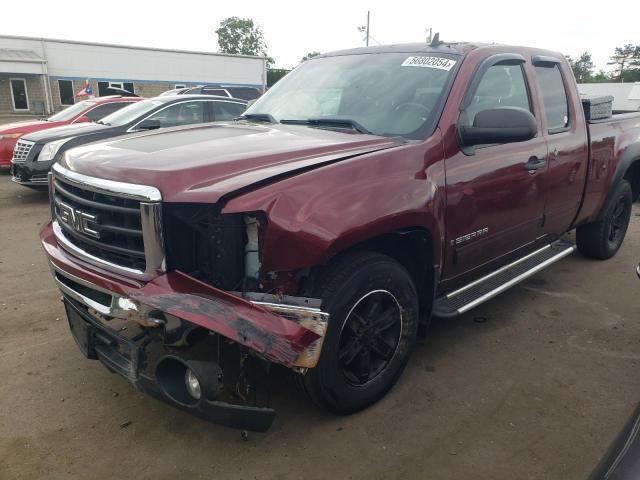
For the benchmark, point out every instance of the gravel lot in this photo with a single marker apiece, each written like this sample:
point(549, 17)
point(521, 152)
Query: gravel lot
point(532, 385)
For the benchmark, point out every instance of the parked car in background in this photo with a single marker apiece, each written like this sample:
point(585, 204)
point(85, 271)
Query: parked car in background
point(175, 91)
point(246, 93)
point(111, 90)
point(84, 111)
point(35, 153)
point(368, 191)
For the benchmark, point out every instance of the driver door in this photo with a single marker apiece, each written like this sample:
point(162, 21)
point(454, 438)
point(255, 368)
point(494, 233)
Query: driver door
point(495, 200)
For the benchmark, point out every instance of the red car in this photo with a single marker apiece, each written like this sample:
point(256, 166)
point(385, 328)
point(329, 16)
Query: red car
point(84, 111)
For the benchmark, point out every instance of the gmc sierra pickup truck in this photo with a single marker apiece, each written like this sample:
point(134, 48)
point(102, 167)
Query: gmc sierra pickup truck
point(366, 192)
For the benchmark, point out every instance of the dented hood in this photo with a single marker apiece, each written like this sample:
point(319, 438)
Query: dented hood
point(202, 163)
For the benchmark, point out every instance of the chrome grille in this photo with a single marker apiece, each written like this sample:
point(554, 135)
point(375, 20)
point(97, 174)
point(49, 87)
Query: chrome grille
point(21, 151)
point(103, 222)
point(39, 178)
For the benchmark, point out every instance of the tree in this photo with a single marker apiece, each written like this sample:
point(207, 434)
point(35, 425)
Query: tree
point(601, 77)
point(626, 62)
point(309, 55)
point(582, 67)
point(240, 36)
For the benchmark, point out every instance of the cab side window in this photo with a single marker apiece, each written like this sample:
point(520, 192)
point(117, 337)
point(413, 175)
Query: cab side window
point(554, 97)
point(501, 86)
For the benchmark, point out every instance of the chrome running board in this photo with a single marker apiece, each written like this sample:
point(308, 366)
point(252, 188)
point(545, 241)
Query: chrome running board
point(479, 291)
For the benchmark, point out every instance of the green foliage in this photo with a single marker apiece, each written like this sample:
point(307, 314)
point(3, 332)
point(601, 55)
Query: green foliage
point(309, 55)
point(600, 77)
point(241, 36)
point(626, 63)
point(582, 68)
point(275, 74)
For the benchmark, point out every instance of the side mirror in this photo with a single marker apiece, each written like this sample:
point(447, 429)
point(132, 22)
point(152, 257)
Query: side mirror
point(81, 120)
point(149, 124)
point(499, 125)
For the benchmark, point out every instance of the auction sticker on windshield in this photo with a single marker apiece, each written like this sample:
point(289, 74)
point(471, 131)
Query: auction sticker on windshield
point(429, 62)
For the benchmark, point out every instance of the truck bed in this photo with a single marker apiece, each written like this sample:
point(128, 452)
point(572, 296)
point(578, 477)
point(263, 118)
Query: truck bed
point(611, 141)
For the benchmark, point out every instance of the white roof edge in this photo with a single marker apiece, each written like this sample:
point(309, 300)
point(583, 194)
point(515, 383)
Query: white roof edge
point(131, 47)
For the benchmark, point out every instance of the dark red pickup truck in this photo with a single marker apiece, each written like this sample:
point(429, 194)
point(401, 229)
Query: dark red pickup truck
point(366, 192)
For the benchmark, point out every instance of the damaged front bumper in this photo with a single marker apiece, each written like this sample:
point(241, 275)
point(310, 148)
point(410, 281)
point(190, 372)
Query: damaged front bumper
point(166, 311)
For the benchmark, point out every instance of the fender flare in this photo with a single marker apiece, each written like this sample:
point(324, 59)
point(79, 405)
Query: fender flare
point(628, 158)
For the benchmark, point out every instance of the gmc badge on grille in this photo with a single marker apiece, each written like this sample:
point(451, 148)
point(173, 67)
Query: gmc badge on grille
point(78, 220)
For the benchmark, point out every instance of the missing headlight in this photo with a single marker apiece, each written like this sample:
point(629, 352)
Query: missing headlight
point(206, 244)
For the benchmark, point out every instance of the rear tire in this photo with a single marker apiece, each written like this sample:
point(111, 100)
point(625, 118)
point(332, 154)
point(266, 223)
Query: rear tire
point(372, 329)
point(602, 238)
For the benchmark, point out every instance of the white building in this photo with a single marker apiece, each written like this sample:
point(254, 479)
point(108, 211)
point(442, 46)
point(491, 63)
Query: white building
point(626, 96)
point(41, 75)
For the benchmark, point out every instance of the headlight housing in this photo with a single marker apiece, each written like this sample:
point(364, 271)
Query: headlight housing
point(8, 136)
point(50, 149)
point(203, 243)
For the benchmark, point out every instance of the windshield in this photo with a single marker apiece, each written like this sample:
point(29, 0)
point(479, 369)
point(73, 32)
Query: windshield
point(392, 94)
point(71, 112)
point(130, 113)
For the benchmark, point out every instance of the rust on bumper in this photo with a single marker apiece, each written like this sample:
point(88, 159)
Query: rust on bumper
point(272, 336)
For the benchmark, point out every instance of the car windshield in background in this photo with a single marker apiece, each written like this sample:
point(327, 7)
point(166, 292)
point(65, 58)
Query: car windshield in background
point(132, 112)
point(391, 94)
point(70, 112)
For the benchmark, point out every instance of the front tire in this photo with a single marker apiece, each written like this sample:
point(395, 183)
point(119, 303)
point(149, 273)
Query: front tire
point(603, 238)
point(373, 323)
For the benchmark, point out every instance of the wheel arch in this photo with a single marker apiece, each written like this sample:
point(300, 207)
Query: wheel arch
point(627, 168)
point(632, 175)
point(411, 247)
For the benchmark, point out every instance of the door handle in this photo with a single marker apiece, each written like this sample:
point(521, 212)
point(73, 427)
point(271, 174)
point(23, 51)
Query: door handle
point(534, 164)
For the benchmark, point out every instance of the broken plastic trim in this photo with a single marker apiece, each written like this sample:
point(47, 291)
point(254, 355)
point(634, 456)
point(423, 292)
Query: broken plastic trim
point(119, 307)
point(294, 341)
point(304, 311)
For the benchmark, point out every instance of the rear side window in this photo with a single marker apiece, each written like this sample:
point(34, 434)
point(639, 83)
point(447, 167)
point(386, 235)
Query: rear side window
point(501, 86)
point(102, 111)
point(224, 111)
point(184, 113)
point(554, 97)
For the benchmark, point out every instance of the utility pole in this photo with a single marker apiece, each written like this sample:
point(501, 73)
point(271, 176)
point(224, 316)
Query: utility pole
point(368, 12)
point(365, 29)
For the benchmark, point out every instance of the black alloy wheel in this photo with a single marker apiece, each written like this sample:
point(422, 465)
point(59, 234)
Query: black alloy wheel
point(370, 336)
point(373, 323)
point(619, 220)
point(602, 238)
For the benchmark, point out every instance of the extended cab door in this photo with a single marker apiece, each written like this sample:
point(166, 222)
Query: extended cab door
point(495, 193)
point(565, 131)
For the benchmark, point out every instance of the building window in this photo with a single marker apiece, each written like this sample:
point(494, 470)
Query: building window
point(114, 88)
point(66, 92)
point(19, 94)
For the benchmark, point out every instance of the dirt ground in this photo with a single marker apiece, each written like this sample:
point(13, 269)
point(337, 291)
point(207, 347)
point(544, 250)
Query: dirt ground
point(532, 385)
